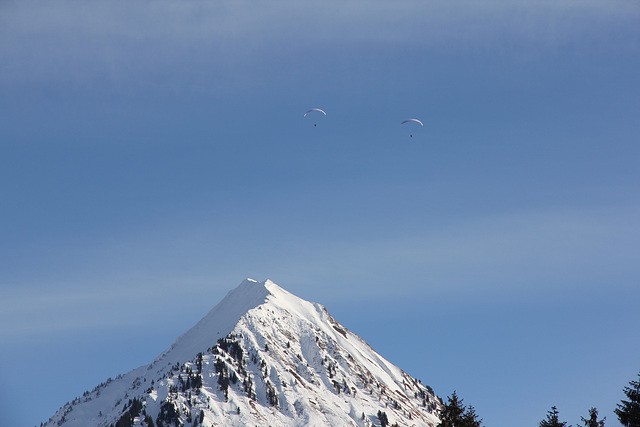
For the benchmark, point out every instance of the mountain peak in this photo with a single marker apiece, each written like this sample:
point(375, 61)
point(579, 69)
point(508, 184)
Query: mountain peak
point(220, 320)
point(262, 356)
point(250, 288)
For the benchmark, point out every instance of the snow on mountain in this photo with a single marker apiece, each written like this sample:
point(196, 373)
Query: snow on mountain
point(262, 356)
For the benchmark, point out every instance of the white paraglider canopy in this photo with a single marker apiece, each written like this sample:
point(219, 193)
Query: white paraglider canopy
point(412, 120)
point(314, 109)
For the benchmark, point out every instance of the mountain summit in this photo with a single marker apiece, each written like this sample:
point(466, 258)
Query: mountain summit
point(261, 357)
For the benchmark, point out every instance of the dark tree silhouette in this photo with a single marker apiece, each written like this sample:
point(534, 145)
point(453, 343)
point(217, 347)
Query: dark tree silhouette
point(384, 421)
point(628, 411)
point(451, 414)
point(593, 419)
point(470, 418)
point(454, 414)
point(552, 419)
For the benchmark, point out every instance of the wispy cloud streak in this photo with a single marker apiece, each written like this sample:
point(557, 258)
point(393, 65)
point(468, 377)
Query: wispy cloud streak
point(501, 256)
point(117, 42)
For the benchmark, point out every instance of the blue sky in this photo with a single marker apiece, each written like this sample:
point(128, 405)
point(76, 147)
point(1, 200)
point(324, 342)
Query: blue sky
point(153, 155)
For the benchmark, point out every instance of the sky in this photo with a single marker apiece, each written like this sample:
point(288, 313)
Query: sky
point(154, 154)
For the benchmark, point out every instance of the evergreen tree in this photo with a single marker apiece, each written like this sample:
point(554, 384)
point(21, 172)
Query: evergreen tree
point(593, 419)
point(168, 415)
point(382, 416)
point(628, 411)
point(455, 414)
point(272, 396)
point(451, 415)
point(149, 421)
point(552, 419)
point(470, 418)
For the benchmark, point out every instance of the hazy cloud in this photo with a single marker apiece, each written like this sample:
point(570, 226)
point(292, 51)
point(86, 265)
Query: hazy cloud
point(500, 256)
point(151, 42)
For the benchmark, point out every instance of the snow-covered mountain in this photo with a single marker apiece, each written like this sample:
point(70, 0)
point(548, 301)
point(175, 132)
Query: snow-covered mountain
point(261, 357)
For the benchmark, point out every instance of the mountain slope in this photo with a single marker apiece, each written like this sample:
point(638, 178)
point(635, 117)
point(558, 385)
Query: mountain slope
point(261, 357)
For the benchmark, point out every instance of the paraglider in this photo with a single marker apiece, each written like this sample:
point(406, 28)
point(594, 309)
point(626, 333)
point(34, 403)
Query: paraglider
point(414, 121)
point(315, 110)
